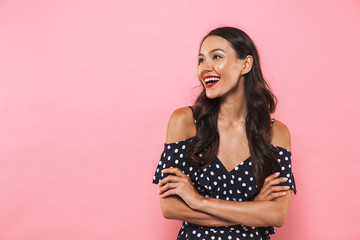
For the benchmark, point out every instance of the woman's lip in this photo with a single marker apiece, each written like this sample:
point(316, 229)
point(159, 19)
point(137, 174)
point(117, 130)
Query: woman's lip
point(210, 76)
point(211, 85)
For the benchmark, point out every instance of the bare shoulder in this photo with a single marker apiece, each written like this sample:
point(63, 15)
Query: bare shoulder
point(280, 135)
point(181, 125)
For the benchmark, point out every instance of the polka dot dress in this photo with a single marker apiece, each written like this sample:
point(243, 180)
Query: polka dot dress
point(215, 181)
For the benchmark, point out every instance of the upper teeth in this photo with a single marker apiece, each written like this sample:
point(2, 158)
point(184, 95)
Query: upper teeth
point(212, 79)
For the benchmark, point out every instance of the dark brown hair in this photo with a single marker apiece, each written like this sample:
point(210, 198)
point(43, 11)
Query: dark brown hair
point(261, 103)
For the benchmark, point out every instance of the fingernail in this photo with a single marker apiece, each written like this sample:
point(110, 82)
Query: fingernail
point(284, 193)
point(162, 170)
point(287, 187)
point(277, 174)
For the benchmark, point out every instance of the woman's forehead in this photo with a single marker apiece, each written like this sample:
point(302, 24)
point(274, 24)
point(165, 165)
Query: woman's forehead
point(214, 42)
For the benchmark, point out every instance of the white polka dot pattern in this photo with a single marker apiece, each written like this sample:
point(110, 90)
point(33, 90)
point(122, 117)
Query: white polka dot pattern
point(215, 181)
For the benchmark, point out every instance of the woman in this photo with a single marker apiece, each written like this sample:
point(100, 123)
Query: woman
point(226, 166)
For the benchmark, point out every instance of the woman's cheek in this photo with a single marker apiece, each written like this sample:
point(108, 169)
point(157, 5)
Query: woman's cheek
point(221, 66)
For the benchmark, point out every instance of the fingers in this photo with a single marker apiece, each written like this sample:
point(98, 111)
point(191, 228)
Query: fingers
point(271, 177)
point(167, 187)
point(276, 181)
point(168, 193)
point(269, 190)
point(272, 193)
point(171, 178)
point(275, 195)
point(275, 189)
point(177, 172)
point(272, 182)
point(271, 185)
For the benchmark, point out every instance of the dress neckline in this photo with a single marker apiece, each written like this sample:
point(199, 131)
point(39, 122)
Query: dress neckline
point(188, 139)
point(216, 158)
point(236, 167)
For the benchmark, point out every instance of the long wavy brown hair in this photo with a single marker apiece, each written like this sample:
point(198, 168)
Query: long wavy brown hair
point(261, 102)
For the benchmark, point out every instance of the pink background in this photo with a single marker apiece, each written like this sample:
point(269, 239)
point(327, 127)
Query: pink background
point(87, 88)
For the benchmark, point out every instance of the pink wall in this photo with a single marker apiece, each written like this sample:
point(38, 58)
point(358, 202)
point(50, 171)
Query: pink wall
point(87, 87)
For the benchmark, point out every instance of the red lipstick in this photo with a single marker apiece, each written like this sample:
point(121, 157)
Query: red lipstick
point(211, 80)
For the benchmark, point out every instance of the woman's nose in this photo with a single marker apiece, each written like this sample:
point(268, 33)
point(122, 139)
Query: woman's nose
point(207, 66)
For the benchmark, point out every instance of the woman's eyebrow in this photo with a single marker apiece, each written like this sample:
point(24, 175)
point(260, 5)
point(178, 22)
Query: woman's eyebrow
point(216, 49)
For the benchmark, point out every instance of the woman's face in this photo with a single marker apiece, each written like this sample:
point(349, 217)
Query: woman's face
point(219, 69)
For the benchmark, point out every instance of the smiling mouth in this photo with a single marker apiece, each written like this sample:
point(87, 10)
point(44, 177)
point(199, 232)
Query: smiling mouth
point(211, 81)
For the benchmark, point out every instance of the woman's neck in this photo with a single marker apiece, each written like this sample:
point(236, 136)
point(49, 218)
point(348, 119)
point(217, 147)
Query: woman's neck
point(233, 107)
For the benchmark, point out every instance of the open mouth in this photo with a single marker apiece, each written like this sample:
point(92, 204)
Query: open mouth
point(211, 81)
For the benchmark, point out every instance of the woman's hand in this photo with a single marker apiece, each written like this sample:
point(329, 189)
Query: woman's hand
point(269, 191)
point(180, 185)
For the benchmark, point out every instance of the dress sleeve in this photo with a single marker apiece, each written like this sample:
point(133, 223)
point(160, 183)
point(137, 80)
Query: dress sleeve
point(284, 158)
point(172, 156)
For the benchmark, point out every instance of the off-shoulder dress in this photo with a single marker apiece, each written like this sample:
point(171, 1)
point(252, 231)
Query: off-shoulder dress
point(215, 181)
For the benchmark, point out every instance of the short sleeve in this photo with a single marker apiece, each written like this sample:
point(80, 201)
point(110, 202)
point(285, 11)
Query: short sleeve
point(172, 156)
point(284, 158)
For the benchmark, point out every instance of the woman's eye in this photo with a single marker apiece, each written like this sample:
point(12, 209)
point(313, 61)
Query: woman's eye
point(216, 56)
point(200, 60)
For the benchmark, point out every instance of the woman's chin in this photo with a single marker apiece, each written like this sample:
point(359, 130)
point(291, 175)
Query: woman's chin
point(210, 95)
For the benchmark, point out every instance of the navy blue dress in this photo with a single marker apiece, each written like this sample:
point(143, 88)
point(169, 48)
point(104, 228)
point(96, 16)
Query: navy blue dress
point(215, 181)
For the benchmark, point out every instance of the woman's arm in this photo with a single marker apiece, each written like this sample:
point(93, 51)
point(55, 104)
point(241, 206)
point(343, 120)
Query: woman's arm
point(256, 214)
point(253, 213)
point(173, 207)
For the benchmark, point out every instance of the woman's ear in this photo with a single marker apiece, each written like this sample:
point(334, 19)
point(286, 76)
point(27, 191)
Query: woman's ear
point(247, 64)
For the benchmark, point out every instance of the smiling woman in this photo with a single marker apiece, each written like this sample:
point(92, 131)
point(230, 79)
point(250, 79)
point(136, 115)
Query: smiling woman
point(226, 166)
